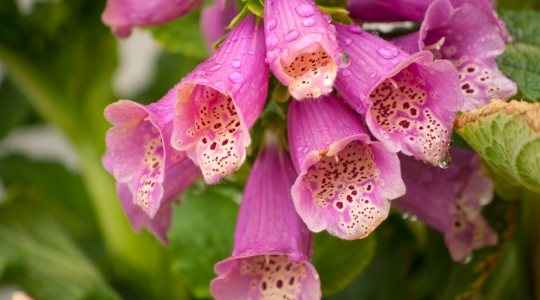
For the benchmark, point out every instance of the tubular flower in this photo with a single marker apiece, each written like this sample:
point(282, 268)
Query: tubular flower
point(123, 15)
point(465, 37)
point(214, 19)
point(272, 246)
point(409, 101)
point(450, 201)
point(138, 148)
point(345, 180)
point(302, 49)
point(220, 100)
point(415, 10)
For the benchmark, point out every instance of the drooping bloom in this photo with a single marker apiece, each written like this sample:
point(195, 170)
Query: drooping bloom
point(123, 15)
point(302, 48)
point(176, 180)
point(138, 148)
point(415, 10)
point(214, 19)
point(345, 180)
point(409, 101)
point(464, 36)
point(220, 100)
point(450, 201)
point(272, 246)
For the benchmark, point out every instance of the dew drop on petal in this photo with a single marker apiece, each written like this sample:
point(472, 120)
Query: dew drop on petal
point(309, 22)
point(388, 52)
point(292, 35)
point(450, 143)
point(372, 75)
point(375, 33)
point(236, 77)
point(215, 67)
point(345, 59)
point(383, 134)
point(304, 10)
point(355, 28)
point(327, 17)
point(236, 63)
point(346, 73)
point(348, 42)
point(446, 160)
point(272, 41)
point(271, 24)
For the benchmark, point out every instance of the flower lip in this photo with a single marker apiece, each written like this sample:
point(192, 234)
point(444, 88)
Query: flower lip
point(220, 100)
point(302, 48)
point(345, 180)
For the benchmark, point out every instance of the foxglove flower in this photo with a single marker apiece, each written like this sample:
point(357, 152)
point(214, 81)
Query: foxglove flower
point(409, 101)
point(450, 201)
point(464, 36)
point(345, 180)
point(220, 100)
point(272, 245)
point(302, 48)
point(123, 15)
point(139, 150)
point(214, 19)
point(415, 10)
point(177, 179)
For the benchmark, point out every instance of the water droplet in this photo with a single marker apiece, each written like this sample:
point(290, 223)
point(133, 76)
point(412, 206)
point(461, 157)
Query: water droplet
point(467, 259)
point(446, 160)
point(272, 54)
point(413, 218)
point(355, 28)
point(383, 134)
point(331, 37)
point(236, 63)
point(304, 10)
point(332, 29)
point(348, 87)
point(375, 33)
point(215, 67)
point(348, 42)
point(346, 73)
point(299, 149)
point(251, 52)
point(450, 143)
point(235, 38)
point(405, 215)
point(327, 17)
point(372, 75)
point(271, 24)
point(345, 59)
point(309, 22)
point(388, 52)
point(272, 41)
point(292, 35)
point(305, 150)
point(236, 77)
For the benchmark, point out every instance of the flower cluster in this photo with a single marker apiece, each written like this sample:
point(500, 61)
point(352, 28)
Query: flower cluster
point(390, 97)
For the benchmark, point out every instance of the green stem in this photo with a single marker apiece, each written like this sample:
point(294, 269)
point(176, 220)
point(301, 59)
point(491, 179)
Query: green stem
point(531, 232)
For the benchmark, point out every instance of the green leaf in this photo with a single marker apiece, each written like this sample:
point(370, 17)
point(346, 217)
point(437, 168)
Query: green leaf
point(339, 14)
point(521, 60)
point(183, 36)
point(518, 5)
point(507, 136)
point(38, 255)
point(339, 261)
point(14, 107)
point(201, 235)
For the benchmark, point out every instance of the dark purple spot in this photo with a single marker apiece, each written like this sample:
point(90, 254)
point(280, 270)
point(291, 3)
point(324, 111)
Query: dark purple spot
point(339, 205)
point(213, 146)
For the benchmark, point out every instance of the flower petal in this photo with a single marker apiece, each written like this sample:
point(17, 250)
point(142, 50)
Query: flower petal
point(122, 15)
point(345, 180)
point(301, 46)
point(138, 148)
point(214, 19)
point(272, 245)
point(450, 200)
point(220, 100)
point(409, 101)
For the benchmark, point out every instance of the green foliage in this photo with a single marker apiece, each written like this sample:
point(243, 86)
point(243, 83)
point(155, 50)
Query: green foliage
point(202, 234)
point(339, 261)
point(14, 106)
point(521, 60)
point(508, 144)
point(183, 36)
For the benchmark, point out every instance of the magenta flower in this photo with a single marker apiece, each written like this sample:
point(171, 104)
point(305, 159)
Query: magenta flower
point(464, 36)
point(301, 46)
point(220, 100)
point(123, 15)
point(450, 201)
point(214, 19)
point(138, 147)
point(272, 245)
point(345, 180)
point(409, 101)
